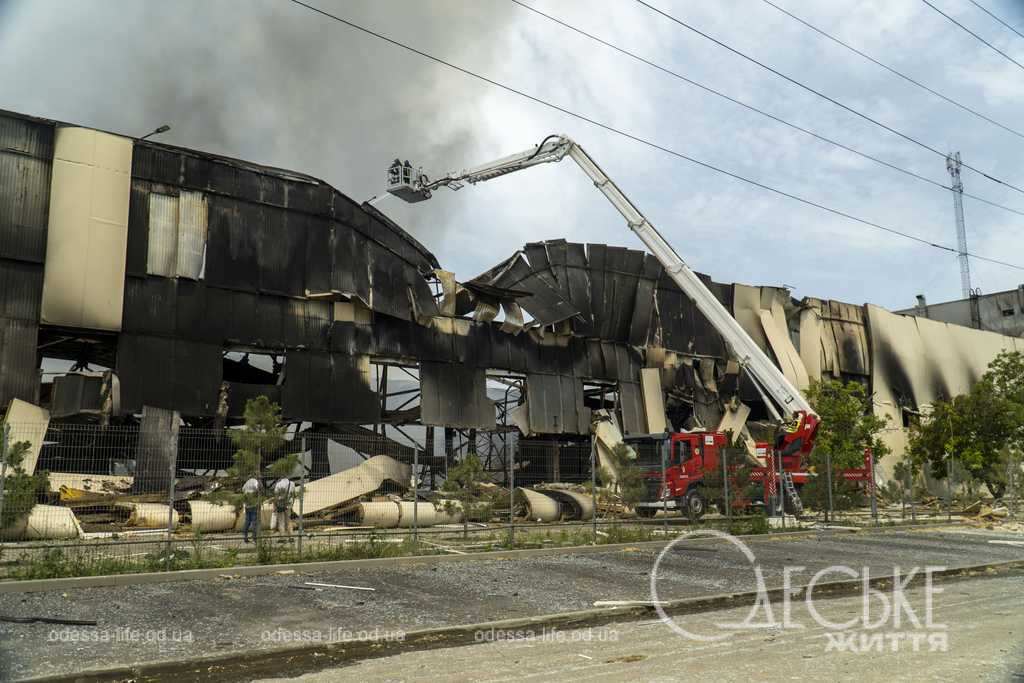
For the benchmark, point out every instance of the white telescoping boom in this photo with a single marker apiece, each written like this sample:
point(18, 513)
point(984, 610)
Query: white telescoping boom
point(412, 185)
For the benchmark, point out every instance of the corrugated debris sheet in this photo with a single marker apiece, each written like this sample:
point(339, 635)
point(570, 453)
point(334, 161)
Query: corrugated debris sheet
point(612, 293)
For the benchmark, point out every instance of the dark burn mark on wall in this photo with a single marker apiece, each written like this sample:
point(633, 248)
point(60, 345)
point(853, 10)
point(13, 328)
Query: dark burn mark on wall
point(891, 368)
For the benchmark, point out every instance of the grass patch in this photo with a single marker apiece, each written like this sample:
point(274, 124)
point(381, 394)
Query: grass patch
point(58, 563)
point(88, 560)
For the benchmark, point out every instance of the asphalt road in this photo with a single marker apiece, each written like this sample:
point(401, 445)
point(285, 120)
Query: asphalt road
point(983, 640)
point(177, 621)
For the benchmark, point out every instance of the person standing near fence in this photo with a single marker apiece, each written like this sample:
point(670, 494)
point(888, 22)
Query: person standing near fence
point(251, 498)
point(284, 493)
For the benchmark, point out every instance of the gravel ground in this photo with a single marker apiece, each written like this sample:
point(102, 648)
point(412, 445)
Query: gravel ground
point(173, 621)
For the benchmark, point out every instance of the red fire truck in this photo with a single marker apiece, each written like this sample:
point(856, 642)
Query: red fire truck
point(686, 457)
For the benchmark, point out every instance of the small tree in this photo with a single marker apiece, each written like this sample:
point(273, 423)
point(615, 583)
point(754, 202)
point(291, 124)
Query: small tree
point(262, 437)
point(21, 489)
point(848, 427)
point(977, 430)
point(463, 485)
point(742, 488)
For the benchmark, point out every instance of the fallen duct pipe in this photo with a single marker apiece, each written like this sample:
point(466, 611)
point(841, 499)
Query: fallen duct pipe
point(207, 516)
point(148, 515)
point(44, 522)
point(426, 514)
point(380, 515)
point(391, 514)
point(539, 507)
point(574, 506)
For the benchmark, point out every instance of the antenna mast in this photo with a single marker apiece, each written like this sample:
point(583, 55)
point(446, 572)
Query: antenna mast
point(953, 166)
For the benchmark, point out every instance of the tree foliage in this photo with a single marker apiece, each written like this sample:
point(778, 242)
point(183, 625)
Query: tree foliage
point(21, 489)
point(981, 429)
point(262, 438)
point(464, 485)
point(743, 490)
point(848, 427)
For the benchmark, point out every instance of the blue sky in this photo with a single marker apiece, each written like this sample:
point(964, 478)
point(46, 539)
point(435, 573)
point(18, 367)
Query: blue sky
point(271, 82)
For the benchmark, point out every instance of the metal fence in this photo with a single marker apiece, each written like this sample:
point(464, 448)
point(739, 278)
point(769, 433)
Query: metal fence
point(92, 499)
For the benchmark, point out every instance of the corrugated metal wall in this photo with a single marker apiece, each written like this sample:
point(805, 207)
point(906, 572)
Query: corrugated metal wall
point(26, 153)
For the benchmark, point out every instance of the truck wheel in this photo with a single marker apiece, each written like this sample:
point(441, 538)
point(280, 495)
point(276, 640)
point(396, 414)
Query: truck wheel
point(694, 505)
point(646, 513)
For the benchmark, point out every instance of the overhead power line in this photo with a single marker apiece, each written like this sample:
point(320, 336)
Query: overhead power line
point(822, 95)
point(993, 47)
point(638, 139)
point(983, 9)
point(890, 69)
point(756, 110)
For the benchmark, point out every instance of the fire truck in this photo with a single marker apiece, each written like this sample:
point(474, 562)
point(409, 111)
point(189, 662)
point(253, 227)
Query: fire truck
point(675, 467)
point(689, 453)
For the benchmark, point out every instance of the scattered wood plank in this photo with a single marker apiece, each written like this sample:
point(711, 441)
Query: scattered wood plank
point(338, 585)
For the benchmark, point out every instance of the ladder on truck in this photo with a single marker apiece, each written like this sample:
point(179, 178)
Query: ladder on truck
point(790, 492)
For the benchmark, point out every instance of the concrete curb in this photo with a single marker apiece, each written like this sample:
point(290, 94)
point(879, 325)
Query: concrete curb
point(296, 660)
point(37, 585)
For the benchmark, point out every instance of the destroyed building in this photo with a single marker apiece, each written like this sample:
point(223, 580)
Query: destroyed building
point(165, 269)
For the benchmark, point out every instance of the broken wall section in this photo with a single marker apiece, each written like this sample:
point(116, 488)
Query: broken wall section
point(917, 361)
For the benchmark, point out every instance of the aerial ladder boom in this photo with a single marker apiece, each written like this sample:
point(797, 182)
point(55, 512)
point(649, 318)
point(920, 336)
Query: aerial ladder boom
point(783, 399)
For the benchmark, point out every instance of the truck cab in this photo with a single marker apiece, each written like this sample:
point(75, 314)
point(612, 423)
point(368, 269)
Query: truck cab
point(685, 457)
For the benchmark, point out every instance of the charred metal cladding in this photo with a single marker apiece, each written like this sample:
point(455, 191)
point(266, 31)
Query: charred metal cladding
point(214, 281)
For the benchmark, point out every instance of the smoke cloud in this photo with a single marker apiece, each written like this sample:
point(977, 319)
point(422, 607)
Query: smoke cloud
point(266, 81)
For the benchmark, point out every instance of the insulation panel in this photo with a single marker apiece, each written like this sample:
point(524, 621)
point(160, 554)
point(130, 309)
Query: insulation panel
point(87, 233)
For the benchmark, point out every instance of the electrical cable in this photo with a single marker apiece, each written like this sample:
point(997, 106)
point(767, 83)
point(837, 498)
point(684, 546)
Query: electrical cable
point(993, 47)
point(983, 9)
point(756, 110)
point(890, 69)
point(643, 141)
point(822, 95)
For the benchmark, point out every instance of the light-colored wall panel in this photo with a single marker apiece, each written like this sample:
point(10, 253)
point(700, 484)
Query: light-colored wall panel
point(83, 284)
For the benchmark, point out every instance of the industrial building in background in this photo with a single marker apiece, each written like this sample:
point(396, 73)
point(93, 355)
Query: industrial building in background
point(1001, 312)
point(169, 286)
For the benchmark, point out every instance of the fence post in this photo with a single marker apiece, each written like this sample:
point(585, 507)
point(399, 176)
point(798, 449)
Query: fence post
point(828, 476)
point(665, 445)
point(593, 484)
point(1014, 468)
point(911, 474)
point(511, 493)
point(949, 487)
point(874, 488)
point(725, 485)
point(302, 491)
point(415, 495)
point(782, 492)
point(170, 504)
point(4, 439)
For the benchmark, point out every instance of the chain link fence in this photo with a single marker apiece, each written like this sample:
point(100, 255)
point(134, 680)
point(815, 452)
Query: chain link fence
point(80, 499)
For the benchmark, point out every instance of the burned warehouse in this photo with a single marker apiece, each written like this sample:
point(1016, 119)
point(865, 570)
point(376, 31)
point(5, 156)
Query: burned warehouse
point(139, 279)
